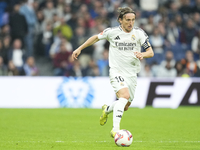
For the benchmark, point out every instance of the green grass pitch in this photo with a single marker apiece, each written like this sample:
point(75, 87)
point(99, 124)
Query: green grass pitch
point(79, 129)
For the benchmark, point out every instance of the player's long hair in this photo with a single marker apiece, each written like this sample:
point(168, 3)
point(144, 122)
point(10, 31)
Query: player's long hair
point(124, 10)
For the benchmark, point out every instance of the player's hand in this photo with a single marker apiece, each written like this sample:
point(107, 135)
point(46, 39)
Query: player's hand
point(75, 54)
point(138, 55)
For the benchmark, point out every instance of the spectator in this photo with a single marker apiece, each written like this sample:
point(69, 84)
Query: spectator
point(167, 71)
point(6, 48)
point(188, 32)
point(174, 10)
point(149, 26)
point(5, 16)
point(173, 33)
point(60, 7)
point(104, 17)
point(3, 6)
point(65, 29)
point(130, 3)
point(61, 60)
point(67, 13)
point(78, 39)
point(95, 71)
point(5, 30)
point(146, 72)
point(18, 25)
point(155, 67)
point(30, 68)
point(196, 18)
point(179, 22)
point(75, 70)
point(55, 46)
point(12, 70)
point(196, 7)
point(2, 52)
point(92, 69)
point(195, 45)
point(114, 14)
point(96, 9)
point(29, 13)
point(169, 57)
point(162, 27)
point(89, 22)
point(76, 5)
point(49, 10)
point(103, 64)
point(40, 24)
point(149, 7)
point(81, 22)
point(185, 8)
point(189, 63)
point(157, 41)
point(99, 46)
point(3, 69)
point(35, 5)
point(179, 69)
point(83, 10)
point(197, 74)
point(56, 21)
point(44, 41)
point(16, 55)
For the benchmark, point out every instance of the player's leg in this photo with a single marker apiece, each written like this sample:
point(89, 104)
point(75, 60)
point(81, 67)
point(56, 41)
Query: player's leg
point(119, 107)
point(106, 110)
point(128, 94)
point(132, 83)
point(109, 108)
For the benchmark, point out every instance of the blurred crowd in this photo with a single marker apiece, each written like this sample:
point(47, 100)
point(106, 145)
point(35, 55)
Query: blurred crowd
point(52, 29)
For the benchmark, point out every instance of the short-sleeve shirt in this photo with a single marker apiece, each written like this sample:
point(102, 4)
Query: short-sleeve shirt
point(122, 47)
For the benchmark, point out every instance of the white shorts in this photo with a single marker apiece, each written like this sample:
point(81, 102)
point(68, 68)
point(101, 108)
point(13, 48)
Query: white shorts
point(118, 81)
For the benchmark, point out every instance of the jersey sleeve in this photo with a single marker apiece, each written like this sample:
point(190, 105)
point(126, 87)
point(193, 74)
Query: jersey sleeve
point(143, 36)
point(104, 34)
point(144, 39)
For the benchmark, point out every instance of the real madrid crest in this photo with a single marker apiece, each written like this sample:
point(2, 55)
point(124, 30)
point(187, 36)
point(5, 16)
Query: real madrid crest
point(133, 37)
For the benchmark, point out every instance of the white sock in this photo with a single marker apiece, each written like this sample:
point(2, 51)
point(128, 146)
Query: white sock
point(118, 113)
point(110, 108)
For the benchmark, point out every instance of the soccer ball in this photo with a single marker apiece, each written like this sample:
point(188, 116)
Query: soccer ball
point(123, 138)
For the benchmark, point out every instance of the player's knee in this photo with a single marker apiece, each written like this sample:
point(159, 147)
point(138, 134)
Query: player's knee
point(123, 93)
point(127, 96)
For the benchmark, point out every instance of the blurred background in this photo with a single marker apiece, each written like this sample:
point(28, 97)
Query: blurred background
point(37, 38)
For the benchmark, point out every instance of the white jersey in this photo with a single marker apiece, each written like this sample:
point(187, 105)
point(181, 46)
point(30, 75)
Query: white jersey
point(122, 47)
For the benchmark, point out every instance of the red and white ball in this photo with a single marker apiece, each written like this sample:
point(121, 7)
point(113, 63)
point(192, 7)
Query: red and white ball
point(123, 138)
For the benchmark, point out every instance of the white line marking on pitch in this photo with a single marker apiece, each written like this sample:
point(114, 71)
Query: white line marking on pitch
point(103, 141)
point(148, 141)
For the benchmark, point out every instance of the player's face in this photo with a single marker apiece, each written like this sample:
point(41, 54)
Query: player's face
point(127, 22)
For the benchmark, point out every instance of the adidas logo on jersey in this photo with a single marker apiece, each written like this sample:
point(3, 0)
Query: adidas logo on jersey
point(117, 38)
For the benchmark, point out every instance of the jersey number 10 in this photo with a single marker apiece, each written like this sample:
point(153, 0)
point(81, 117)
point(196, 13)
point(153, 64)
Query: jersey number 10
point(119, 78)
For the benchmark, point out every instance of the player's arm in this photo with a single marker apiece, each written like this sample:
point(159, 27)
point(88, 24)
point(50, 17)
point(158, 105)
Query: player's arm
point(148, 51)
point(89, 42)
